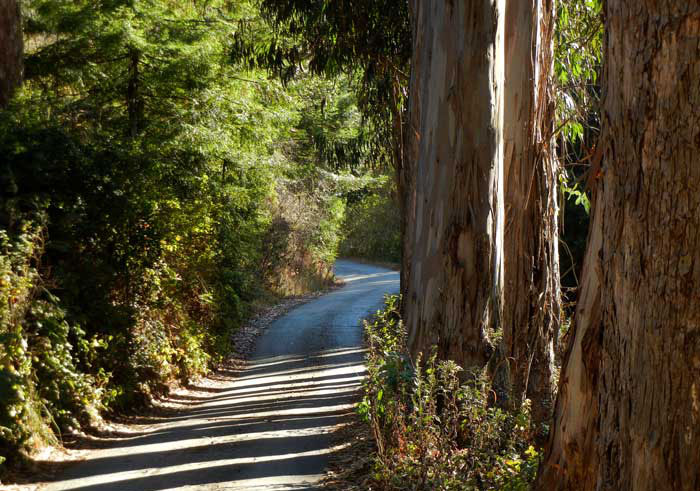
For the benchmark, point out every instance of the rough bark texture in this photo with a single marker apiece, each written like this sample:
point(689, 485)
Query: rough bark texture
point(532, 308)
point(628, 413)
point(455, 135)
point(10, 49)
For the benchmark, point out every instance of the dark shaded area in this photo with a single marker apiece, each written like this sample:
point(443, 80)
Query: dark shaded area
point(11, 47)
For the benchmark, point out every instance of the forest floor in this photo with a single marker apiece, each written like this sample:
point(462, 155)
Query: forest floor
point(272, 423)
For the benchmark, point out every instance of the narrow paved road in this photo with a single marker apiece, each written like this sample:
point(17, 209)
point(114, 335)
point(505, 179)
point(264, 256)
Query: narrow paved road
point(268, 428)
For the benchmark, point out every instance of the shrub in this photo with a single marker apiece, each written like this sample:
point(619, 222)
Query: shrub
point(435, 426)
point(372, 225)
point(41, 384)
point(301, 243)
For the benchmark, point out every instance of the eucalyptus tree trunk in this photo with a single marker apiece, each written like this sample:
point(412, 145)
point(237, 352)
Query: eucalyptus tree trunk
point(628, 413)
point(10, 49)
point(455, 143)
point(531, 312)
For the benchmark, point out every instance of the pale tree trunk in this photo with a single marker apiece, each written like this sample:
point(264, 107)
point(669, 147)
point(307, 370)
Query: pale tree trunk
point(532, 309)
point(455, 136)
point(10, 49)
point(628, 413)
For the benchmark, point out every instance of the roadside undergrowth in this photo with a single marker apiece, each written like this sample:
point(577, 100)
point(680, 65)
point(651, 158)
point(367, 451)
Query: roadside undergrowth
point(61, 371)
point(434, 425)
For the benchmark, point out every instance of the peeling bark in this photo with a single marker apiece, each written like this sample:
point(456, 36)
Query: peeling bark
point(454, 292)
point(532, 310)
point(10, 49)
point(628, 412)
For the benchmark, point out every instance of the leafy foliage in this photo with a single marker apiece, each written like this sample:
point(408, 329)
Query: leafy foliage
point(435, 427)
point(41, 353)
point(577, 67)
point(369, 40)
point(372, 224)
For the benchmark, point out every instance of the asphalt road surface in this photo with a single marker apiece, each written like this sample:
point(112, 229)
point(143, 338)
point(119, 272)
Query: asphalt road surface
point(267, 428)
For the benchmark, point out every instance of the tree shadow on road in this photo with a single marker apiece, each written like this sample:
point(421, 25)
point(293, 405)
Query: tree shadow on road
point(245, 432)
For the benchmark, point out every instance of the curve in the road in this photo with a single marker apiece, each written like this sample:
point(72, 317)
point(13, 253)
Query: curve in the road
point(269, 427)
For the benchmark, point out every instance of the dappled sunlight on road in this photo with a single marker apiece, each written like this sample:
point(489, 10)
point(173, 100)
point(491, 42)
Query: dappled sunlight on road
point(290, 417)
point(268, 426)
